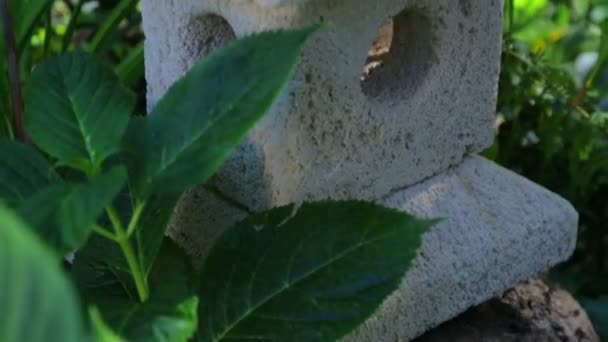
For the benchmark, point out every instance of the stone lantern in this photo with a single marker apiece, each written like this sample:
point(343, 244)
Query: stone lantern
point(389, 103)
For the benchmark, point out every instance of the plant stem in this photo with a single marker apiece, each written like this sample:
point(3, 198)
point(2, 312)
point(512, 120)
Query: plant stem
point(69, 33)
point(139, 209)
point(105, 233)
point(125, 245)
point(132, 262)
point(13, 71)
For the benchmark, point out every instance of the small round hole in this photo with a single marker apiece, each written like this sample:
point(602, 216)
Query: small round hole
point(399, 58)
point(210, 31)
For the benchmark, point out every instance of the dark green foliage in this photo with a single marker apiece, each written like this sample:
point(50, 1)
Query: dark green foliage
point(65, 214)
point(309, 273)
point(171, 312)
point(45, 28)
point(555, 128)
point(80, 121)
point(109, 181)
point(22, 172)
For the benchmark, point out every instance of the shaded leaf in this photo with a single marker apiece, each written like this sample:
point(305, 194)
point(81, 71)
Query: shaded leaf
point(23, 171)
point(38, 303)
point(111, 24)
point(25, 15)
point(101, 332)
point(107, 259)
point(312, 273)
point(81, 119)
point(65, 214)
point(152, 228)
point(204, 116)
point(169, 315)
point(131, 69)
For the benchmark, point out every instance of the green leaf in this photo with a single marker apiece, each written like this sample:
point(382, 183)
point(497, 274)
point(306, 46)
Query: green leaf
point(65, 214)
point(101, 332)
point(23, 171)
point(76, 110)
point(110, 25)
point(305, 274)
point(25, 14)
point(152, 228)
point(131, 69)
point(169, 315)
point(526, 9)
point(204, 116)
point(108, 258)
point(38, 303)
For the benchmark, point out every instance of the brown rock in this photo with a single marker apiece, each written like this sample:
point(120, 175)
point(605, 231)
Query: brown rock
point(532, 311)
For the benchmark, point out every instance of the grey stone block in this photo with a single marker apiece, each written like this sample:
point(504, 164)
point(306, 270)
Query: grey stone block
point(500, 229)
point(392, 92)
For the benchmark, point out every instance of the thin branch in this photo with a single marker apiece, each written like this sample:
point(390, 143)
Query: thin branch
point(13, 71)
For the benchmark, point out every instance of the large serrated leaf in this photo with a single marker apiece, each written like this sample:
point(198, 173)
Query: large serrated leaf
point(37, 303)
point(204, 116)
point(23, 171)
point(64, 215)
point(81, 119)
point(305, 274)
point(169, 315)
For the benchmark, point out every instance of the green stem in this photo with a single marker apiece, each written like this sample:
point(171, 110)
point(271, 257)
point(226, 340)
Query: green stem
point(105, 233)
point(69, 33)
point(127, 250)
point(138, 276)
point(115, 219)
point(139, 209)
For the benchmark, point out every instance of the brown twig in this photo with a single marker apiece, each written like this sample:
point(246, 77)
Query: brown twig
point(13, 71)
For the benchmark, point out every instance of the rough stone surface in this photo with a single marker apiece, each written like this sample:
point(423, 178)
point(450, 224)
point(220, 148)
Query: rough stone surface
point(351, 124)
point(533, 311)
point(500, 229)
point(280, 2)
point(385, 105)
point(199, 218)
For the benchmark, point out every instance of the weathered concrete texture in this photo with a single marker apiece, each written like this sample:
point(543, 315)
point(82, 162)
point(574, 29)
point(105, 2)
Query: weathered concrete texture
point(426, 97)
point(280, 2)
point(376, 106)
point(500, 229)
point(199, 219)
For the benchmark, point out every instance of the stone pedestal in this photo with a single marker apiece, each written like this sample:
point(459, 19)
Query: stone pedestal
point(389, 103)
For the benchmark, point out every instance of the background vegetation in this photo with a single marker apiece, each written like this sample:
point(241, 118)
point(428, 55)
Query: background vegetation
point(553, 101)
point(553, 124)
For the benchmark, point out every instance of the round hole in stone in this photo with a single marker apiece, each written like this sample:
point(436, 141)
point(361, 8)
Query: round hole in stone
point(209, 32)
point(399, 58)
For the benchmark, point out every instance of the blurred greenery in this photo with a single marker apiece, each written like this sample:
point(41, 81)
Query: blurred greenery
point(553, 124)
point(553, 101)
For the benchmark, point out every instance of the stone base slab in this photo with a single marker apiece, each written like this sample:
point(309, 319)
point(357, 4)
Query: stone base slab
point(500, 229)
